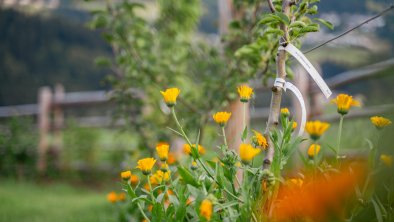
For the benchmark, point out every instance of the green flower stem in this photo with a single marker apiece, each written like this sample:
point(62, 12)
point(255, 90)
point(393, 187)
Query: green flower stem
point(339, 137)
point(138, 204)
point(142, 212)
point(150, 190)
point(244, 116)
point(198, 159)
point(180, 127)
point(224, 137)
point(216, 181)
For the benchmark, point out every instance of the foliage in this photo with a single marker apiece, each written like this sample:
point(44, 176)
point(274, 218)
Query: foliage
point(17, 148)
point(39, 50)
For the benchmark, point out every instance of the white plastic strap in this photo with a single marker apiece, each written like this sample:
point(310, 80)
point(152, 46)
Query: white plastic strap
point(296, 53)
point(279, 82)
point(297, 93)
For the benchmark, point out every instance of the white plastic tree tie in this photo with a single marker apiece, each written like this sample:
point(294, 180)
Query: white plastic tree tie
point(279, 82)
point(296, 53)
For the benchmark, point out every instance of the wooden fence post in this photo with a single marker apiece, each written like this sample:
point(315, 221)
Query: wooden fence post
point(44, 106)
point(58, 118)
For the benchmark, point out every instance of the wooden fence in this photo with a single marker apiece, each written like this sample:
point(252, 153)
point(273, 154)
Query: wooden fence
point(51, 105)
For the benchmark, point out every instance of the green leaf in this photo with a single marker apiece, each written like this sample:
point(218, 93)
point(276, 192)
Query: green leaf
point(283, 18)
point(244, 134)
point(187, 177)
point(326, 23)
point(274, 31)
point(297, 24)
point(310, 28)
point(378, 212)
point(267, 20)
point(312, 10)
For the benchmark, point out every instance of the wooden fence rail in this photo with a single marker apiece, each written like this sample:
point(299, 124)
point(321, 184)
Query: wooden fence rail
point(54, 103)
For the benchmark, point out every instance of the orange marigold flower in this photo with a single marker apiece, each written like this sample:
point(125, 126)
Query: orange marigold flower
point(313, 150)
point(259, 140)
point(125, 175)
point(380, 122)
point(170, 95)
point(122, 197)
point(162, 151)
point(206, 209)
point(221, 117)
point(134, 179)
point(344, 103)
point(112, 197)
point(247, 152)
point(171, 158)
point(146, 165)
point(188, 150)
point(245, 92)
point(316, 128)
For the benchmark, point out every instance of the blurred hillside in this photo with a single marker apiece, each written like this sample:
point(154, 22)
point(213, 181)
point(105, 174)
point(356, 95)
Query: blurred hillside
point(48, 42)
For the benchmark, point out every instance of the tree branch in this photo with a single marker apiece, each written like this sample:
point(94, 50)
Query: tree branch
point(273, 119)
point(271, 5)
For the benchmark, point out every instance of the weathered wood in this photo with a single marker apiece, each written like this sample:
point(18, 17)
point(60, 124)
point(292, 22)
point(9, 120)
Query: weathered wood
point(44, 100)
point(58, 122)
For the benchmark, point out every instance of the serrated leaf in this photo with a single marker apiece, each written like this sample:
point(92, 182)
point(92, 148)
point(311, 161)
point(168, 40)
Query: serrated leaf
point(325, 23)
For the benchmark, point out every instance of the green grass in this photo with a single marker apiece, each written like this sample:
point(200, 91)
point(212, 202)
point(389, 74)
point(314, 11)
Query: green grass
point(59, 202)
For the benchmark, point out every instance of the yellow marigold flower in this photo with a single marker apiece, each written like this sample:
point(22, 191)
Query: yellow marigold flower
point(295, 182)
point(146, 187)
point(259, 140)
point(221, 117)
point(150, 207)
point(380, 122)
point(146, 165)
point(387, 159)
point(162, 151)
point(194, 165)
point(170, 96)
point(112, 197)
point(125, 175)
point(134, 179)
point(159, 177)
point(316, 128)
point(344, 103)
point(294, 126)
point(285, 112)
point(245, 92)
point(206, 209)
point(188, 150)
point(171, 158)
point(122, 197)
point(313, 150)
point(247, 152)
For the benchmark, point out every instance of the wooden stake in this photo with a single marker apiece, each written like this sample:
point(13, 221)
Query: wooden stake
point(44, 101)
